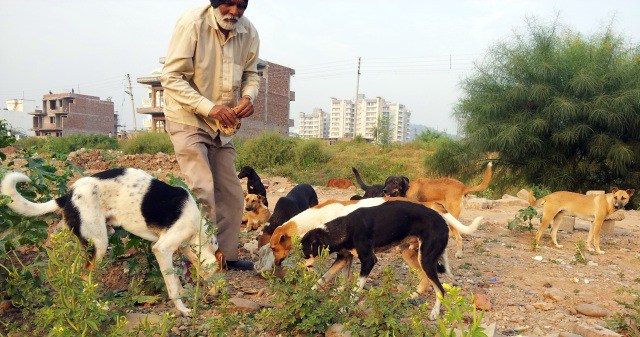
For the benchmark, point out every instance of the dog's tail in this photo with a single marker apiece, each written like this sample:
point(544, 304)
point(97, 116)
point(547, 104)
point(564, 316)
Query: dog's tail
point(23, 206)
point(533, 202)
point(455, 223)
point(485, 180)
point(359, 179)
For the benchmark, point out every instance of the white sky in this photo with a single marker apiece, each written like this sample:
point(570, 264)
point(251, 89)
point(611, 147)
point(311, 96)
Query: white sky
point(405, 45)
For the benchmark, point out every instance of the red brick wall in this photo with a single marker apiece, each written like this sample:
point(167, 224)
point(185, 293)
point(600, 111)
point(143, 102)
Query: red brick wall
point(278, 101)
point(89, 114)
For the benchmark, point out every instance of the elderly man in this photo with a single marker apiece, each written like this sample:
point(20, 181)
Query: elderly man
point(212, 59)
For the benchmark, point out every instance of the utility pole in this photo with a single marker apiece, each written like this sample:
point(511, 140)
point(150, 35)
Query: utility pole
point(266, 94)
point(133, 108)
point(355, 114)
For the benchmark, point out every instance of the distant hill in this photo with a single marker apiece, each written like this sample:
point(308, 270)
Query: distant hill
point(416, 129)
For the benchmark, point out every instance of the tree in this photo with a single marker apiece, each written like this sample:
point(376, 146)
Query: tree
point(556, 108)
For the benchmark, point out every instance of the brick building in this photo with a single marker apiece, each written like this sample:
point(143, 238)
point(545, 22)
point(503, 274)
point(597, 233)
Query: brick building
point(71, 113)
point(271, 106)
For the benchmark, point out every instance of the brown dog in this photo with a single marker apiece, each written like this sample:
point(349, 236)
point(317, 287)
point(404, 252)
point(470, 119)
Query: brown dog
point(340, 183)
point(257, 213)
point(449, 192)
point(593, 207)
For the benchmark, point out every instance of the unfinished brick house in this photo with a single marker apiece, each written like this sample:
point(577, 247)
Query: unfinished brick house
point(271, 106)
point(71, 113)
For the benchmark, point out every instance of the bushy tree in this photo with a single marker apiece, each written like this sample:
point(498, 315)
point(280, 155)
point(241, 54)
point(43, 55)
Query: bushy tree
point(557, 108)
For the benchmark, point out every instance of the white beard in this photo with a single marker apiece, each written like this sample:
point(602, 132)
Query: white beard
point(224, 24)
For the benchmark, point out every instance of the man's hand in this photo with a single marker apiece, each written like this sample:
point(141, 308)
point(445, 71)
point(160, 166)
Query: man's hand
point(224, 114)
point(245, 107)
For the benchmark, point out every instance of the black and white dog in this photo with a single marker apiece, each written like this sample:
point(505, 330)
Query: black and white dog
point(366, 230)
point(254, 184)
point(142, 205)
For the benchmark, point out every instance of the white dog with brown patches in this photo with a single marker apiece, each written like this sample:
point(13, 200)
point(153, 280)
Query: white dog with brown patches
point(142, 205)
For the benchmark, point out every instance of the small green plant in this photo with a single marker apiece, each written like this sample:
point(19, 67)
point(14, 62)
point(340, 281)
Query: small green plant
point(579, 254)
point(457, 309)
point(524, 216)
point(147, 142)
point(628, 320)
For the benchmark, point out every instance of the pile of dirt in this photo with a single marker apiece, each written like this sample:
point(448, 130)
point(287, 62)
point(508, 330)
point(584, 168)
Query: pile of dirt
point(98, 160)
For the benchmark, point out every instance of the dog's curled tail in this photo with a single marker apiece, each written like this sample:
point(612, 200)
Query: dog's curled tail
point(20, 204)
point(359, 179)
point(455, 223)
point(485, 180)
point(533, 201)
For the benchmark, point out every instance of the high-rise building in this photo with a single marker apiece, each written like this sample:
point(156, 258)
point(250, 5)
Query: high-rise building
point(314, 125)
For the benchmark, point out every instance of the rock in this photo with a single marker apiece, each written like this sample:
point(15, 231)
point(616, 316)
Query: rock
point(136, 318)
point(480, 203)
point(509, 200)
point(618, 215)
point(483, 302)
point(555, 294)
point(595, 192)
point(594, 330)
point(244, 304)
point(337, 330)
point(537, 331)
point(591, 310)
point(568, 334)
point(523, 194)
point(545, 306)
point(489, 330)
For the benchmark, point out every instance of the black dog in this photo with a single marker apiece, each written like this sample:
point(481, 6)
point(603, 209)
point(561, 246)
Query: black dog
point(372, 191)
point(368, 229)
point(394, 186)
point(254, 184)
point(300, 198)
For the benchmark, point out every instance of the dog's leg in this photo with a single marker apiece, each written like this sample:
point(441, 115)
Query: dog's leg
point(428, 262)
point(547, 217)
point(594, 234)
point(346, 272)
point(163, 249)
point(338, 265)
point(368, 259)
point(86, 214)
point(447, 268)
point(557, 221)
point(458, 237)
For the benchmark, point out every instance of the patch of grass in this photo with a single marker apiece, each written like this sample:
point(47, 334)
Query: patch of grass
point(147, 142)
point(579, 254)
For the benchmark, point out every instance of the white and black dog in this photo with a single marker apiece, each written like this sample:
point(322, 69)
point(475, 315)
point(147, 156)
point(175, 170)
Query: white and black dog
point(142, 205)
point(367, 230)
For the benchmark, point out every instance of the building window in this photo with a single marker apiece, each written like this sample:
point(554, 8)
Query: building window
point(52, 120)
point(52, 104)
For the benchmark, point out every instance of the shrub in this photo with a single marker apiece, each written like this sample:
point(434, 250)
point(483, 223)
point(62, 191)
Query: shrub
point(147, 142)
point(32, 143)
point(628, 320)
point(68, 144)
point(268, 151)
point(310, 153)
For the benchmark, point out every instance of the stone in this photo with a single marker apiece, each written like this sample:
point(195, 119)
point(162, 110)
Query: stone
point(337, 330)
point(480, 203)
point(555, 294)
point(544, 306)
point(136, 318)
point(483, 302)
point(618, 215)
point(523, 194)
point(595, 192)
point(591, 310)
point(244, 304)
point(567, 334)
point(594, 330)
point(568, 224)
point(607, 227)
point(509, 200)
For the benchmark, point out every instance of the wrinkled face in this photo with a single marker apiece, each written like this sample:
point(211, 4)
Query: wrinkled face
point(228, 13)
point(620, 197)
point(253, 202)
point(396, 186)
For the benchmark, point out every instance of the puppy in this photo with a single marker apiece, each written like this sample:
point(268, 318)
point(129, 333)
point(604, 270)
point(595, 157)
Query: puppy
point(257, 213)
point(254, 184)
point(595, 207)
point(340, 183)
point(368, 230)
point(142, 205)
point(448, 191)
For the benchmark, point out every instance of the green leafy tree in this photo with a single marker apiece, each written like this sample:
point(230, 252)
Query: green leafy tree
point(557, 108)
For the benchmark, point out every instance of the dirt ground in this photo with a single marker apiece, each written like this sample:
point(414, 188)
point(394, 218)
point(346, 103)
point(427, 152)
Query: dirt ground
point(497, 262)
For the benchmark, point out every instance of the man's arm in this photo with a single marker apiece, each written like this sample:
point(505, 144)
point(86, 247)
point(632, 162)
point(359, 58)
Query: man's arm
point(250, 80)
point(178, 70)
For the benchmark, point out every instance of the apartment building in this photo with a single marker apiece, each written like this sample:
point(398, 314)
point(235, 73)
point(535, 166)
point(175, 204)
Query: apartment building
point(271, 107)
point(314, 124)
point(371, 116)
point(71, 113)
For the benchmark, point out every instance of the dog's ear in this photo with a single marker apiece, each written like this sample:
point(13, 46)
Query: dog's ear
point(614, 189)
point(405, 185)
point(245, 193)
point(261, 198)
point(630, 192)
point(278, 236)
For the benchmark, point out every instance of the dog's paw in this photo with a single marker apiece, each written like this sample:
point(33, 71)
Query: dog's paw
point(600, 251)
point(434, 314)
point(458, 255)
point(559, 246)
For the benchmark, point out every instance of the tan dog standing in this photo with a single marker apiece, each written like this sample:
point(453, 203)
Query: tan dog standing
point(257, 213)
point(595, 207)
point(449, 192)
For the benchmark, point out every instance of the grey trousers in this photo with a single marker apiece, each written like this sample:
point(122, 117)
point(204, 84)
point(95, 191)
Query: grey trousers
point(209, 167)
